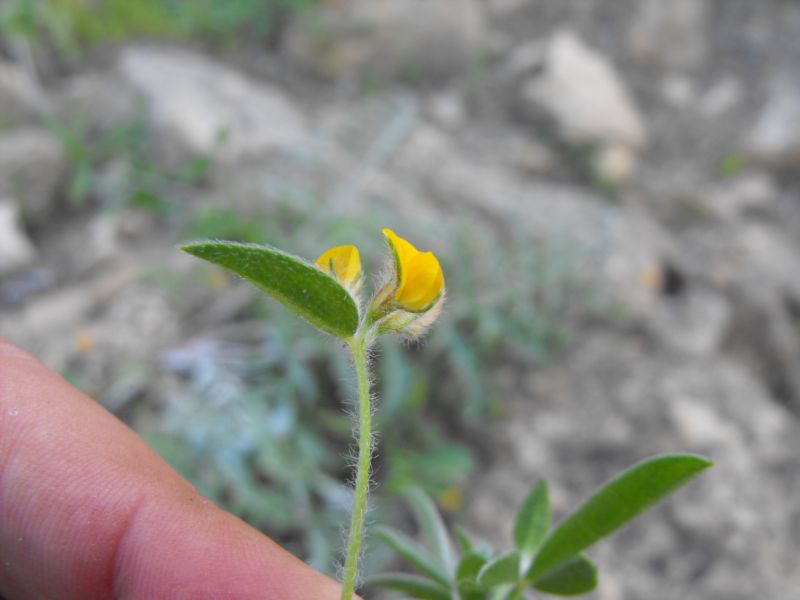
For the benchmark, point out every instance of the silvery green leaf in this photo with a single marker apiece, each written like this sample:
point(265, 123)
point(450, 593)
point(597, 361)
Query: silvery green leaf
point(411, 585)
point(533, 521)
point(613, 505)
point(302, 287)
point(501, 570)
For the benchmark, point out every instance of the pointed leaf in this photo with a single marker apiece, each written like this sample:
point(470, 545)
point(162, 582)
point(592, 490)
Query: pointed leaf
point(292, 281)
point(463, 539)
point(503, 569)
point(431, 524)
point(533, 521)
point(575, 577)
point(411, 585)
point(613, 505)
point(413, 553)
point(469, 566)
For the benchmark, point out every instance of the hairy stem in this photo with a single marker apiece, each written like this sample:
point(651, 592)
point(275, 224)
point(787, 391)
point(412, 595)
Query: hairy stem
point(358, 347)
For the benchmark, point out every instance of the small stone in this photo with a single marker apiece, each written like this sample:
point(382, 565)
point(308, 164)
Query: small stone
point(615, 164)
point(699, 425)
point(584, 94)
point(16, 249)
point(775, 138)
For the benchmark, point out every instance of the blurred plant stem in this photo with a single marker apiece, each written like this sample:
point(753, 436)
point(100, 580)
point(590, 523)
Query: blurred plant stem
point(358, 346)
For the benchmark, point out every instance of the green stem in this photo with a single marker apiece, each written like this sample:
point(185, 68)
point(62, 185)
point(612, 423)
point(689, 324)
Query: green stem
point(359, 348)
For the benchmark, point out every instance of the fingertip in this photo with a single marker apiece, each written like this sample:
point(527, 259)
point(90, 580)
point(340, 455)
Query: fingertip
point(89, 511)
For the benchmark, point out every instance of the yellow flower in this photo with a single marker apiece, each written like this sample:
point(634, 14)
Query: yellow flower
point(344, 263)
point(419, 281)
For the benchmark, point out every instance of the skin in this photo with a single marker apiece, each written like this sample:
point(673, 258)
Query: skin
point(88, 511)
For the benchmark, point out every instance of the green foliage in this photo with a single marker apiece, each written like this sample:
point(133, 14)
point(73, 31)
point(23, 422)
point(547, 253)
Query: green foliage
point(74, 25)
point(433, 527)
point(136, 180)
point(613, 505)
point(552, 562)
point(574, 577)
point(732, 165)
point(252, 427)
point(440, 467)
point(297, 284)
point(532, 524)
point(412, 586)
point(419, 557)
point(499, 571)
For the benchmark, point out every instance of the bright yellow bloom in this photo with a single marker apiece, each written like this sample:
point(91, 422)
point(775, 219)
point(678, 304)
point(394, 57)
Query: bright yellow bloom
point(343, 262)
point(419, 281)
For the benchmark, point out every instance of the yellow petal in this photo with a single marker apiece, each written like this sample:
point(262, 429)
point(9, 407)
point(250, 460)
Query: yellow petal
point(403, 253)
point(343, 262)
point(424, 282)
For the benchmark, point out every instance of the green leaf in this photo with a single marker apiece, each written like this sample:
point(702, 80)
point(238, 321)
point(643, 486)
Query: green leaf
point(469, 566)
point(471, 591)
point(431, 524)
point(574, 577)
point(413, 553)
point(463, 539)
point(533, 521)
point(503, 569)
point(296, 283)
point(613, 505)
point(411, 585)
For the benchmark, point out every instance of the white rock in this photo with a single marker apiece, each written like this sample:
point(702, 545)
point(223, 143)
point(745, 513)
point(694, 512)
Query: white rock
point(671, 33)
point(32, 162)
point(775, 137)
point(582, 91)
point(21, 98)
point(699, 425)
point(16, 249)
point(209, 108)
point(385, 39)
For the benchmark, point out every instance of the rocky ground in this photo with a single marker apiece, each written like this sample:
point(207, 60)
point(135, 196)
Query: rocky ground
point(660, 139)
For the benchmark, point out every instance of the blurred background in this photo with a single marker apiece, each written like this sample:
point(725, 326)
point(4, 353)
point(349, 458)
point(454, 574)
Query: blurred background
point(612, 188)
